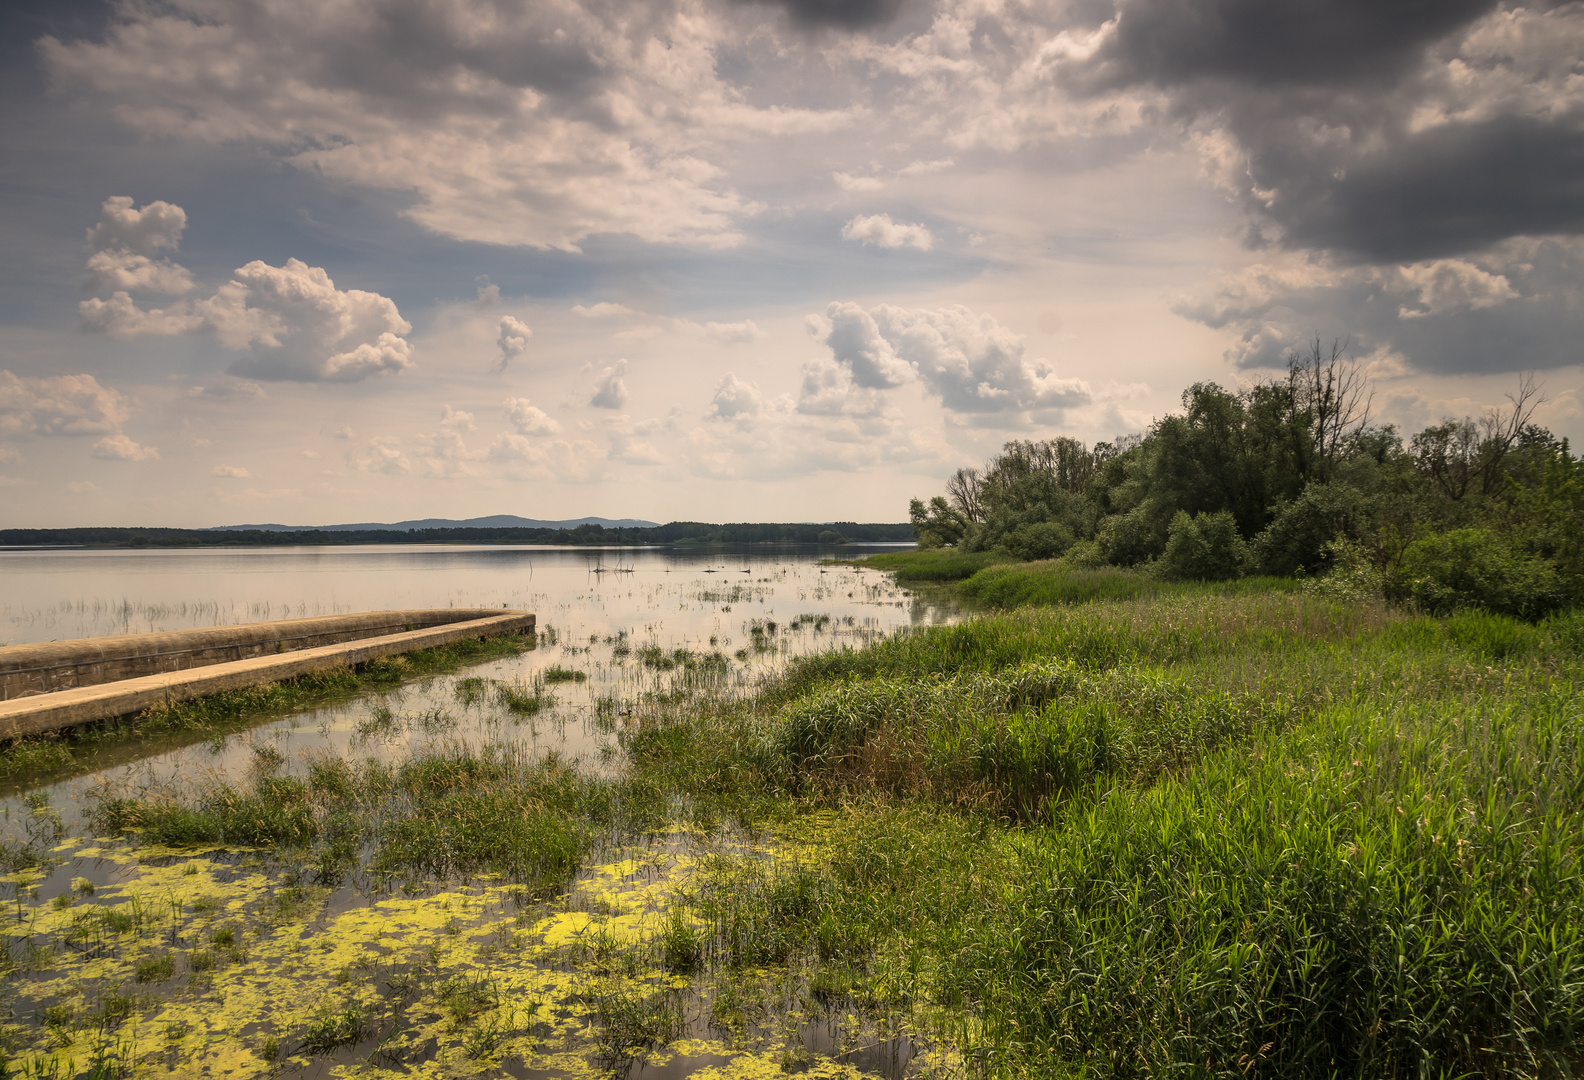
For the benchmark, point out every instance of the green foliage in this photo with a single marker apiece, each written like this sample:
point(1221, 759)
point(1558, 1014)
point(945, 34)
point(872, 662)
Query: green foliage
point(1205, 547)
point(1476, 568)
point(1299, 538)
point(1287, 477)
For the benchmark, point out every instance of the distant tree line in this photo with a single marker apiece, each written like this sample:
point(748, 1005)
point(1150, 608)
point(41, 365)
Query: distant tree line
point(676, 532)
point(1292, 477)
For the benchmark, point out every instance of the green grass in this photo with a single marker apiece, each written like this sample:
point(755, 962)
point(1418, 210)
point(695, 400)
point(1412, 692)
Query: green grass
point(1053, 581)
point(946, 564)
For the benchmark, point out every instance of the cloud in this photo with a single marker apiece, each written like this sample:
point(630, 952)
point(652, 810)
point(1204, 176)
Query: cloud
point(528, 419)
point(513, 340)
point(652, 325)
point(1516, 307)
point(604, 310)
point(856, 342)
point(456, 420)
point(231, 472)
point(974, 364)
point(848, 182)
point(123, 270)
point(121, 448)
point(735, 399)
point(1386, 132)
point(291, 320)
point(828, 389)
point(840, 14)
point(59, 405)
point(1451, 285)
point(138, 231)
point(610, 389)
point(234, 390)
point(880, 230)
point(123, 241)
point(529, 125)
point(562, 460)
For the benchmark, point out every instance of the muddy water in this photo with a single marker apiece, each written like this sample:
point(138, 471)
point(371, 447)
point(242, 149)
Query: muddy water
point(152, 961)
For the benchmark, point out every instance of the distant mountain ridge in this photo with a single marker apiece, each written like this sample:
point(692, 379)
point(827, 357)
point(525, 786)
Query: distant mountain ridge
point(494, 521)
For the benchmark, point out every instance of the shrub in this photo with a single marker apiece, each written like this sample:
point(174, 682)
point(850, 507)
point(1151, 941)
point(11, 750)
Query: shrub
point(1301, 536)
point(1042, 540)
point(1205, 547)
point(1476, 568)
point(1131, 538)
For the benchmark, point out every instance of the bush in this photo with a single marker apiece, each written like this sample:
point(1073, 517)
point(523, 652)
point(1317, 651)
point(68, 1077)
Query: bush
point(1300, 538)
point(1205, 547)
point(1043, 540)
point(1476, 568)
point(1131, 538)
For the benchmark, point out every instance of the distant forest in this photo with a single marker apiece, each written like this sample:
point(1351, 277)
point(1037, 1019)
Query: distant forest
point(676, 532)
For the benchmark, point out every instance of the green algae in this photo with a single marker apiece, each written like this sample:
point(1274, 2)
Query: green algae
point(244, 974)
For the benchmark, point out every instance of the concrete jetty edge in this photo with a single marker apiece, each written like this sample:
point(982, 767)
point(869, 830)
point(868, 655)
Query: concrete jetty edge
point(48, 666)
point(62, 709)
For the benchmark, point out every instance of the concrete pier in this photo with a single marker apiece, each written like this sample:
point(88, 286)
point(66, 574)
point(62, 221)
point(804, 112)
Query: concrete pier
point(103, 678)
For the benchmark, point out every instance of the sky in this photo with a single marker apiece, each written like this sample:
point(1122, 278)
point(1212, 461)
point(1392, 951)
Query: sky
point(320, 261)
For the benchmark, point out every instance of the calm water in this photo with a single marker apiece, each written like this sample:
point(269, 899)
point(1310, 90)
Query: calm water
point(634, 624)
point(622, 618)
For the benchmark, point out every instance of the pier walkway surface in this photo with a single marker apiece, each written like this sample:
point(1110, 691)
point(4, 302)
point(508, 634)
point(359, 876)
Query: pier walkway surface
point(53, 685)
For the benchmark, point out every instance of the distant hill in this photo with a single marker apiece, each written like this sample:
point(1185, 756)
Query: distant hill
point(559, 534)
point(494, 521)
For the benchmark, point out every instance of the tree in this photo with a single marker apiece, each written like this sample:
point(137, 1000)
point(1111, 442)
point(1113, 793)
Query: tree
point(1467, 456)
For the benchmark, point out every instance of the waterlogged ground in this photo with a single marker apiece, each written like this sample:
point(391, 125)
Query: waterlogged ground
point(147, 961)
point(129, 958)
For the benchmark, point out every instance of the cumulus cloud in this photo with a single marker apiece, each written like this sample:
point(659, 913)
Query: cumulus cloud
point(291, 320)
point(512, 341)
point(528, 419)
point(735, 399)
point(972, 362)
point(120, 448)
point(230, 472)
point(610, 389)
point(142, 231)
point(59, 405)
point(125, 238)
point(880, 230)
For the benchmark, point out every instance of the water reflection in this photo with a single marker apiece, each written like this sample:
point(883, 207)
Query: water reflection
point(618, 629)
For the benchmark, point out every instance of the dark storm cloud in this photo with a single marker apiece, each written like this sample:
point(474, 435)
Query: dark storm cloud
point(1450, 190)
point(1172, 42)
point(1326, 100)
point(838, 14)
